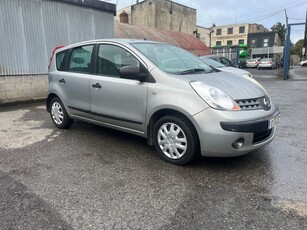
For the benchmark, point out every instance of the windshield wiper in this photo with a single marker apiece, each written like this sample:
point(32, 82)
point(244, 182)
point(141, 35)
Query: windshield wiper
point(192, 71)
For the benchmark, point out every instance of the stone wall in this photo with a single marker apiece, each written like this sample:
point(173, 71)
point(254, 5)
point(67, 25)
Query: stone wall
point(164, 14)
point(23, 88)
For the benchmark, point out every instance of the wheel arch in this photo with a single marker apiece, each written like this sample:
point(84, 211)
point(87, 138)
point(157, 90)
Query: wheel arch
point(167, 112)
point(49, 99)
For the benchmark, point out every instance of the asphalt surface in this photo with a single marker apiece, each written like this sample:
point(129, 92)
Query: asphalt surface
point(90, 177)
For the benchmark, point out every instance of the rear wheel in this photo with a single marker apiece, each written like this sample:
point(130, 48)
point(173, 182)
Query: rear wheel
point(175, 140)
point(59, 115)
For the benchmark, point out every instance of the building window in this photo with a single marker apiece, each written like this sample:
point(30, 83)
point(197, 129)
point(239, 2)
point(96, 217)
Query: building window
point(265, 42)
point(218, 31)
point(230, 31)
point(242, 29)
point(241, 41)
point(253, 43)
point(229, 42)
point(218, 43)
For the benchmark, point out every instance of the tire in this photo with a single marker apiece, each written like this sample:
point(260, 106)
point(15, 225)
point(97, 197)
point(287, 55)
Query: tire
point(59, 115)
point(167, 132)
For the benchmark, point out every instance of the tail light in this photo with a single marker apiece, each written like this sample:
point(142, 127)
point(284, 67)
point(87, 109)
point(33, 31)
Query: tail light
point(270, 62)
point(55, 49)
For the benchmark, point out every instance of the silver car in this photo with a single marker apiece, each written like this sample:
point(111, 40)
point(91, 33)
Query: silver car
point(222, 67)
point(163, 93)
point(252, 63)
point(267, 63)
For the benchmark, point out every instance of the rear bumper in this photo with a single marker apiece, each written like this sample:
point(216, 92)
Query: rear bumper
point(265, 65)
point(251, 65)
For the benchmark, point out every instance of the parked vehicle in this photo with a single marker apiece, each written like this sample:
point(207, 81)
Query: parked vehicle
point(222, 60)
point(267, 63)
point(160, 92)
point(303, 63)
point(224, 68)
point(252, 63)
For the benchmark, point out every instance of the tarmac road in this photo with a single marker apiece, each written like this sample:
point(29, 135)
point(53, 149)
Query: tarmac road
point(89, 177)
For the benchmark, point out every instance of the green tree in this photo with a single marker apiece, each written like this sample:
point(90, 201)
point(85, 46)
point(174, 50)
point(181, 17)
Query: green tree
point(280, 29)
point(297, 48)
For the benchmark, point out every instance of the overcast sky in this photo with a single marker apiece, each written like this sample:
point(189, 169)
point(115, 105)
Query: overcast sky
point(223, 12)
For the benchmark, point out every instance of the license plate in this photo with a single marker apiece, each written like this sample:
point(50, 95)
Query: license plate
point(272, 122)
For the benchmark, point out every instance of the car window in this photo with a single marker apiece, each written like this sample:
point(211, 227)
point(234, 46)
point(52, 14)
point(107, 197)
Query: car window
point(80, 59)
point(171, 59)
point(212, 62)
point(225, 61)
point(111, 58)
point(59, 59)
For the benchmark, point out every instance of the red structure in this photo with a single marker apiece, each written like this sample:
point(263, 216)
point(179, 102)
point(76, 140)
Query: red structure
point(185, 41)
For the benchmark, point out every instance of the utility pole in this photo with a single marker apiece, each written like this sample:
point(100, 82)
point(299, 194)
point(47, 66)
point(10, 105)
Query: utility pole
point(305, 38)
point(286, 18)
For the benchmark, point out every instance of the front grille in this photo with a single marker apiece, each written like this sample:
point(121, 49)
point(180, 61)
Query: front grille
point(258, 137)
point(250, 104)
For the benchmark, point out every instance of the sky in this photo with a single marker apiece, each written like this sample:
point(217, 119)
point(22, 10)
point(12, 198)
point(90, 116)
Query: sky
point(224, 12)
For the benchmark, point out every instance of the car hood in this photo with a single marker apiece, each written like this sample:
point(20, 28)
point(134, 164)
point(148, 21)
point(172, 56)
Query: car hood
point(233, 70)
point(236, 86)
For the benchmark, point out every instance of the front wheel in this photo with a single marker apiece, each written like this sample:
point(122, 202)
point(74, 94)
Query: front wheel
point(59, 115)
point(175, 140)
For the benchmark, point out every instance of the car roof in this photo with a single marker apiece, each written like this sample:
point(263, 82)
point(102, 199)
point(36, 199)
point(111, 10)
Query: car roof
point(112, 40)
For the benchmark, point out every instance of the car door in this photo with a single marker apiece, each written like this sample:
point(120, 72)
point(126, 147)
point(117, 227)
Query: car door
point(116, 101)
point(75, 81)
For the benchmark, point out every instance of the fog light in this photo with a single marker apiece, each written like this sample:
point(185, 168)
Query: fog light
point(238, 143)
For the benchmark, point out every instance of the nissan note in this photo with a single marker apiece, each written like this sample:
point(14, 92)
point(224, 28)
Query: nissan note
point(163, 93)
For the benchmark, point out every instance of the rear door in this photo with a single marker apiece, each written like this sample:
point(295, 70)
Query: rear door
point(75, 81)
point(114, 100)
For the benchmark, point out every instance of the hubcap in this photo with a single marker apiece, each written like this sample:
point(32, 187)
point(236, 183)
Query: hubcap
point(57, 113)
point(172, 140)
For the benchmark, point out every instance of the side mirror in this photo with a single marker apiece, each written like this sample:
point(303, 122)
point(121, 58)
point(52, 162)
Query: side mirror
point(132, 72)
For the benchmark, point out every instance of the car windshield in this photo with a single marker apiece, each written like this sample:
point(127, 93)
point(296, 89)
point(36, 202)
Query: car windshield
point(172, 59)
point(252, 60)
point(213, 63)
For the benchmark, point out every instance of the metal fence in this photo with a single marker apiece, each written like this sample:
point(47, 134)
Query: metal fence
point(30, 29)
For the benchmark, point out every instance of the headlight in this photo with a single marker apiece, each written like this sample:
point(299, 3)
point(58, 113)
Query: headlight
point(247, 75)
point(214, 97)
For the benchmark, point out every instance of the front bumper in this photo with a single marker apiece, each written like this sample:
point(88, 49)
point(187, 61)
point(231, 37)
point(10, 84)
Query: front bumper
point(218, 130)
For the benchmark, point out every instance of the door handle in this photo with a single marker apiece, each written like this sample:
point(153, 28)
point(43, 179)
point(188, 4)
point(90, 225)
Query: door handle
point(97, 86)
point(62, 81)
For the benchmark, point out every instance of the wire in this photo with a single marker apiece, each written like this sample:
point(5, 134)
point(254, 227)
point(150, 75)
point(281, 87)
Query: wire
point(281, 7)
point(265, 17)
